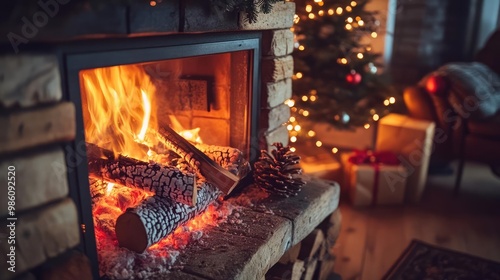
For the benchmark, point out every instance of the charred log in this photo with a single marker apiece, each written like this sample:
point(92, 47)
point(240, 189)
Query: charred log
point(97, 188)
point(156, 217)
point(229, 158)
point(213, 173)
point(163, 181)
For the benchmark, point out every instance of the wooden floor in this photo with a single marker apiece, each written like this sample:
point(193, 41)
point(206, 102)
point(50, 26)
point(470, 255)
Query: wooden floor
point(372, 239)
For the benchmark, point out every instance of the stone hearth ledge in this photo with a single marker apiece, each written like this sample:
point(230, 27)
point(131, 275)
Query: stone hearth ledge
point(269, 228)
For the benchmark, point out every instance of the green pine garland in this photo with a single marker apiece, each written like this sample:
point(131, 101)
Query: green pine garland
point(251, 7)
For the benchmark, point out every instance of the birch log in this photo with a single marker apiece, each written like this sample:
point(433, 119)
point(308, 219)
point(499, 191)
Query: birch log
point(229, 158)
point(213, 173)
point(163, 181)
point(156, 217)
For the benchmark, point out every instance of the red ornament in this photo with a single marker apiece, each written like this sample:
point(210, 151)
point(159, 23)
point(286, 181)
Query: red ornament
point(353, 78)
point(436, 84)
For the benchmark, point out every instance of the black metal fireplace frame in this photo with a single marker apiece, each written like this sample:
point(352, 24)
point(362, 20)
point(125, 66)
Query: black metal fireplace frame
point(76, 56)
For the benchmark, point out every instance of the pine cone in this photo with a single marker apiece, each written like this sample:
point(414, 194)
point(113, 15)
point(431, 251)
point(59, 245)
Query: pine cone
point(279, 173)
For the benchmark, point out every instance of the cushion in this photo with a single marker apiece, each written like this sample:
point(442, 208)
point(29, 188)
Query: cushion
point(474, 89)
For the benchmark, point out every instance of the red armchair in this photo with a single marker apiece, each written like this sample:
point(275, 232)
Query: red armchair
point(458, 135)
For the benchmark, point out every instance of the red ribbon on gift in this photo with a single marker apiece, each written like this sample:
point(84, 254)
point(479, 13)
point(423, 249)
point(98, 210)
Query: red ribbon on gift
point(375, 159)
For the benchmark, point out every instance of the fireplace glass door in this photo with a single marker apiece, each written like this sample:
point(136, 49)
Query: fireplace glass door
point(202, 89)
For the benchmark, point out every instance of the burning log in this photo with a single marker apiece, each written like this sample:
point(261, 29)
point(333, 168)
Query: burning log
point(213, 173)
point(164, 181)
point(156, 217)
point(229, 158)
point(97, 188)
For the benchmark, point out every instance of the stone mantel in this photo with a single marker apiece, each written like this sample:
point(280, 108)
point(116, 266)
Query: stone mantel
point(138, 19)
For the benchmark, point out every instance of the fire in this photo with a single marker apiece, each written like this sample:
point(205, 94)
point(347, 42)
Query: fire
point(119, 198)
point(117, 108)
point(191, 135)
point(188, 134)
point(147, 115)
point(118, 111)
point(109, 188)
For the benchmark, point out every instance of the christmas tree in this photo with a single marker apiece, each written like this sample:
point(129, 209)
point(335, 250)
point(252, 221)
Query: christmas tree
point(337, 77)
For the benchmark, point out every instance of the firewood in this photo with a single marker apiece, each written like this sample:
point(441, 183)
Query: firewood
point(97, 188)
point(311, 244)
point(213, 173)
point(310, 269)
point(323, 251)
point(291, 271)
point(324, 268)
point(156, 217)
point(291, 255)
point(228, 158)
point(163, 181)
point(297, 270)
point(331, 228)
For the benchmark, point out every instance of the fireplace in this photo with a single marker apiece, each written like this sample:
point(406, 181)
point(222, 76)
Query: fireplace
point(137, 72)
point(198, 81)
point(203, 87)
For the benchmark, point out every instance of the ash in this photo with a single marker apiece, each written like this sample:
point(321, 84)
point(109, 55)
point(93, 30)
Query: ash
point(251, 198)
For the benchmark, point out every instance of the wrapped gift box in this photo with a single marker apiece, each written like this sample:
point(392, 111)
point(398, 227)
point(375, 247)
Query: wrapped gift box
point(322, 165)
point(374, 184)
point(355, 138)
point(411, 139)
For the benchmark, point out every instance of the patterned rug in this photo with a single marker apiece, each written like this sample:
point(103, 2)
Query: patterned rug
point(422, 261)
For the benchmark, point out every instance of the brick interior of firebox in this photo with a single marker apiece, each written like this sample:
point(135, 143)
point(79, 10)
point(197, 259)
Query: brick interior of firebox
point(209, 93)
point(197, 92)
point(240, 237)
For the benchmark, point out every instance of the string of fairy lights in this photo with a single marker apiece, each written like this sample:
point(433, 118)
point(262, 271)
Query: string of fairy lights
point(314, 11)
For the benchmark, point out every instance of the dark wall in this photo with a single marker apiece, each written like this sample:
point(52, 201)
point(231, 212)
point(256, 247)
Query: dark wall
point(429, 33)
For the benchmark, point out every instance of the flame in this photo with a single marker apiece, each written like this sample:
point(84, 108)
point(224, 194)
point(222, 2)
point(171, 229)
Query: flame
point(109, 188)
point(191, 135)
point(117, 112)
point(147, 115)
point(117, 108)
point(188, 134)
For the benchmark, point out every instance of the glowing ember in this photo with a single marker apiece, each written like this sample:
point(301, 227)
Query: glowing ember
point(191, 135)
point(109, 188)
point(120, 263)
